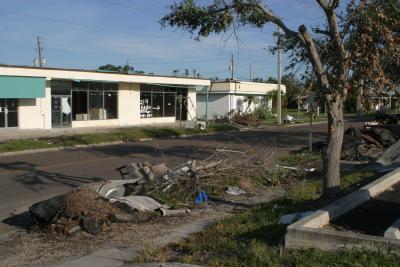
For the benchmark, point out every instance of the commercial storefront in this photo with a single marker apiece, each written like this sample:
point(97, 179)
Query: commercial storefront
point(45, 98)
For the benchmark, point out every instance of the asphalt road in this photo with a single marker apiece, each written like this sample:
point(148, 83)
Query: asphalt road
point(26, 179)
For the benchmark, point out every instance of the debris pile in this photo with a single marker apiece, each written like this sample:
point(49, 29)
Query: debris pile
point(136, 197)
point(370, 143)
point(218, 174)
point(250, 120)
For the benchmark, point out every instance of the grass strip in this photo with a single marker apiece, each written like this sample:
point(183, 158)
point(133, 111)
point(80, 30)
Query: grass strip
point(123, 134)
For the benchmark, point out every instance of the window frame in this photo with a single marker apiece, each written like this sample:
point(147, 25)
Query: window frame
point(86, 87)
point(157, 89)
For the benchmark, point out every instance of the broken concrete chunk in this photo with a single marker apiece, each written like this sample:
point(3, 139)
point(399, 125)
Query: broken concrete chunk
point(139, 203)
point(149, 173)
point(391, 155)
point(92, 225)
point(235, 191)
point(45, 211)
point(116, 188)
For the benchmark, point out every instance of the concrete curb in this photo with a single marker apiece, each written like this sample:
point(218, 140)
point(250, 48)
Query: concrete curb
point(66, 148)
point(310, 233)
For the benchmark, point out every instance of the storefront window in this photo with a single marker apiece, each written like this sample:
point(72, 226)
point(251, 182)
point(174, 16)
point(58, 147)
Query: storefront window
point(145, 105)
point(79, 106)
point(157, 104)
point(90, 100)
point(110, 105)
point(96, 106)
point(157, 101)
point(169, 105)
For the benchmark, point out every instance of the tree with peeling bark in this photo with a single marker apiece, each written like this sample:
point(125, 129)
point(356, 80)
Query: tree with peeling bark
point(331, 53)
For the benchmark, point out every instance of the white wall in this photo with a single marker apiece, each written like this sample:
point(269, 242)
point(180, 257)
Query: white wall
point(149, 121)
point(218, 105)
point(95, 123)
point(129, 104)
point(35, 113)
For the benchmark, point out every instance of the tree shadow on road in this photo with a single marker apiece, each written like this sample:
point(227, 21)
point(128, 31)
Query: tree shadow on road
point(35, 179)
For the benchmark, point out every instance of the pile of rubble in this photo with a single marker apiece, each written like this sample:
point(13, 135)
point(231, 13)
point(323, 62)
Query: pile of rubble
point(373, 142)
point(93, 207)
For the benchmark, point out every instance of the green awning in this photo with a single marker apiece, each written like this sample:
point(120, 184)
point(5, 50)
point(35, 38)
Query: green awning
point(22, 87)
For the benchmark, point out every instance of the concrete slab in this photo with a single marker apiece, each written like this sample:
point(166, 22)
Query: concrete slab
point(310, 233)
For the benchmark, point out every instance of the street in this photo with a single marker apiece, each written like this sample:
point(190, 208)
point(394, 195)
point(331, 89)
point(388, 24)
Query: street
point(25, 179)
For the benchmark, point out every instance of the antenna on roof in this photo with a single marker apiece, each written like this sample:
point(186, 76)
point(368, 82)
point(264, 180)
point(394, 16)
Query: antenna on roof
point(39, 61)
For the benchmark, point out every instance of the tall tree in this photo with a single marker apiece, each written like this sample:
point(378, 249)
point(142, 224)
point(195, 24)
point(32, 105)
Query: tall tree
point(186, 73)
point(326, 50)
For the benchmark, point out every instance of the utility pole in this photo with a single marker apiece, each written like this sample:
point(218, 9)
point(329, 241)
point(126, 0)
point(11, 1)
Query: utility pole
point(251, 73)
point(39, 61)
point(231, 67)
point(278, 102)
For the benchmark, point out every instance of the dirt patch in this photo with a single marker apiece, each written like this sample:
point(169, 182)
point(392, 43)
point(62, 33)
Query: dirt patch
point(40, 247)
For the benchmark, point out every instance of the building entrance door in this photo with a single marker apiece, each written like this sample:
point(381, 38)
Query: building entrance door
point(8, 113)
point(60, 111)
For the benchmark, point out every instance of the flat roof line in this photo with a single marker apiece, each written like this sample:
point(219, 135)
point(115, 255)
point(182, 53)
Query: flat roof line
point(99, 72)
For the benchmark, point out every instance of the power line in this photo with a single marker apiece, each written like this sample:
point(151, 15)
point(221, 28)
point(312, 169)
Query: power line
point(83, 25)
point(127, 6)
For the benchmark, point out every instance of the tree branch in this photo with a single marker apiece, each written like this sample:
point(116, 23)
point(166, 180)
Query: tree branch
point(314, 57)
point(324, 32)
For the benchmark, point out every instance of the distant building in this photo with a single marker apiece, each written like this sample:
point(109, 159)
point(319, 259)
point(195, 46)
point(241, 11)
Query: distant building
point(226, 97)
point(45, 98)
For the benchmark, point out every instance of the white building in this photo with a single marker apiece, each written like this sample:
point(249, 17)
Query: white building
point(225, 97)
point(45, 98)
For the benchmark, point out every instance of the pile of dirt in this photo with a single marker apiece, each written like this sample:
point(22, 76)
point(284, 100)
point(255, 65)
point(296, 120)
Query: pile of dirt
point(85, 202)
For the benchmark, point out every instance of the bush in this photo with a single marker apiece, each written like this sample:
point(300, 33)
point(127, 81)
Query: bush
point(262, 113)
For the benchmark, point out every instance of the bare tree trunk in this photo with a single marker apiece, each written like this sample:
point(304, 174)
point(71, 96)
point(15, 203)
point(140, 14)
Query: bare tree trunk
point(331, 155)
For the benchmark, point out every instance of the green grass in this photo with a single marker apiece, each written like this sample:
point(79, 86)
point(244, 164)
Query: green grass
point(126, 134)
point(254, 238)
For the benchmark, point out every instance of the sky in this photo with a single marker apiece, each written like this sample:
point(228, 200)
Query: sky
point(86, 34)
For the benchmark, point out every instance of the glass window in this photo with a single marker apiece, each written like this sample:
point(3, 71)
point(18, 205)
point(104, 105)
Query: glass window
point(157, 101)
point(169, 105)
point(60, 87)
point(145, 105)
point(157, 104)
point(110, 105)
point(94, 100)
point(96, 106)
point(77, 85)
point(79, 105)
